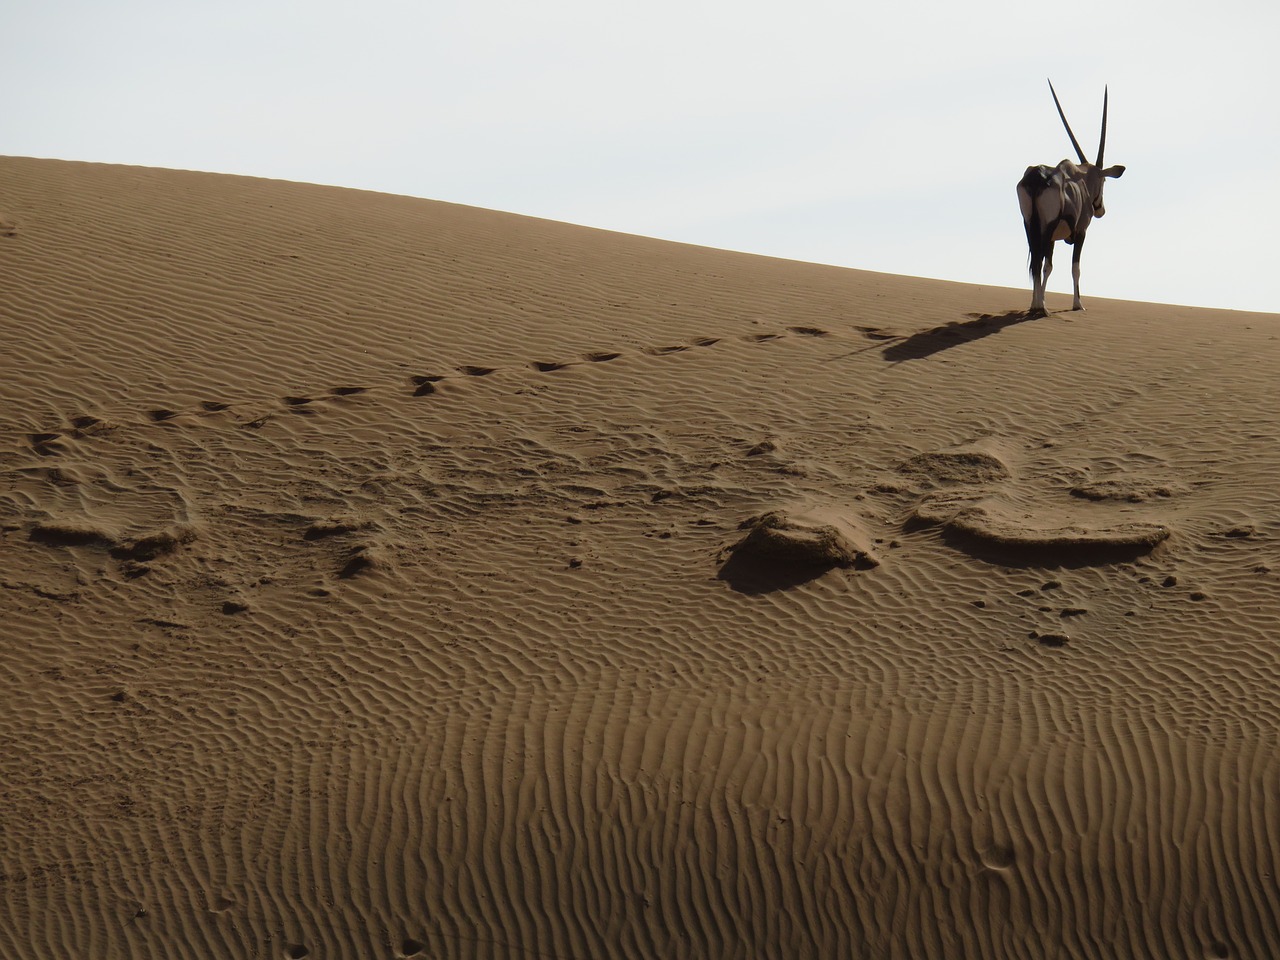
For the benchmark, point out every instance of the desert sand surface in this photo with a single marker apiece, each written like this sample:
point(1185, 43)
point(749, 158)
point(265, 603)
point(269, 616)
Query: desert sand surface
point(386, 578)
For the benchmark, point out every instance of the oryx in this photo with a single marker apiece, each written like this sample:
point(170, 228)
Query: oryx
point(1058, 203)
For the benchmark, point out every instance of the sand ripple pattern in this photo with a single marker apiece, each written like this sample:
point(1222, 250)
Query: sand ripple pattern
point(361, 597)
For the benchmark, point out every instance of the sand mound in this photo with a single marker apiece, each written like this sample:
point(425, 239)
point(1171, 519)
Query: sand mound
point(993, 532)
point(61, 533)
point(148, 546)
point(965, 466)
point(1130, 489)
point(373, 584)
point(1057, 543)
point(787, 547)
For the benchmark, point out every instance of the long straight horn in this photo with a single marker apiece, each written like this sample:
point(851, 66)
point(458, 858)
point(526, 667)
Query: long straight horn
point(1102, 140)
point(1074, 142)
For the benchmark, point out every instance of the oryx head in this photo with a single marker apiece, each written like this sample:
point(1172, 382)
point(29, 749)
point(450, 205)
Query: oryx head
point(1095, 173)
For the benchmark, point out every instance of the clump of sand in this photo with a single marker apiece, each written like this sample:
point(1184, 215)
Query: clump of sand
point(786, 545)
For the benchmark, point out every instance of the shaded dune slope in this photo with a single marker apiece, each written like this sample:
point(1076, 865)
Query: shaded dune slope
point(362, 580)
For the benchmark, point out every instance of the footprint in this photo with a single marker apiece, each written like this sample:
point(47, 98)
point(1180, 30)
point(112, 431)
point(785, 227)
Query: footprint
point(47, 444)
point(347, 391)
point(424, 385)
point(706, 341)
point(546, 366)
point(323, 529)
point(1052, 640)
point(364, 558)
point(89, 426)
point(601, 357)
point(665, 351)
point(471, 371)
point(213, 406)
point(1000, 857)
point(762, 337)
point(296, 401)
point(809, 331)
point(161, 414)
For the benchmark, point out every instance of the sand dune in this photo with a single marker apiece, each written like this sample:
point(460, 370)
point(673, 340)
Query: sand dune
point(374, 585)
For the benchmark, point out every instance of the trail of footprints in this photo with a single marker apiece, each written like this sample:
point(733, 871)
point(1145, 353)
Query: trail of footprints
point(954, 491)
point(363, 553)
point(52, 442)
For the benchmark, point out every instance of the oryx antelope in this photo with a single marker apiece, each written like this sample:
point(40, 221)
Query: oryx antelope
point(1058, 203)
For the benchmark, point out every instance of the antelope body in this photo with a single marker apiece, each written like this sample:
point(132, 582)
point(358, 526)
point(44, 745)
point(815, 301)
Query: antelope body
point(1059, 203)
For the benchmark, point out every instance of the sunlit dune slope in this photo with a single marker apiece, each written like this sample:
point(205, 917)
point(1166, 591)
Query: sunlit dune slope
point(387, 578)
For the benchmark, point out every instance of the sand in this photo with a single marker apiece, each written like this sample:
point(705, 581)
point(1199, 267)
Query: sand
point(374, 585)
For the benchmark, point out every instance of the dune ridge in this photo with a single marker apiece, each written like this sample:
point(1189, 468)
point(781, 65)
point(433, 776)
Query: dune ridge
point(362, 573)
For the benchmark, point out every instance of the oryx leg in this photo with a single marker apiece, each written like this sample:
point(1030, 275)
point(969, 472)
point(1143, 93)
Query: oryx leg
point(1037, 284)
point(1075, 273)
point(1041, 267)
point(1044, 277)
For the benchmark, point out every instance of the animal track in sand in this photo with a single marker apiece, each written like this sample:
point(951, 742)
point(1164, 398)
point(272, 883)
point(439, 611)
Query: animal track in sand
point(357, 556)
point(51, 442)
point(46, 444)
point(424, 385)
point(363, 558)
point(1052, 640)
point(998, 858)
point(972, 514)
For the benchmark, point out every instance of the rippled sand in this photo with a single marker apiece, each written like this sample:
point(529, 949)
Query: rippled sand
point(372, 586)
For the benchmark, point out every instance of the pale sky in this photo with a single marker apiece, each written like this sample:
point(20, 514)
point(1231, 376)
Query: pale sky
point(885, 136)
